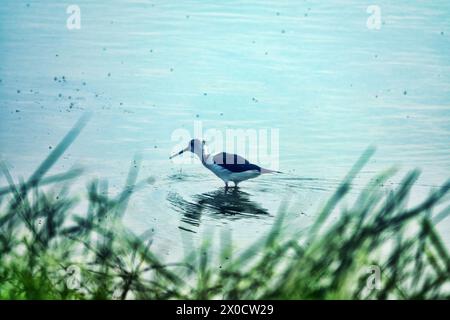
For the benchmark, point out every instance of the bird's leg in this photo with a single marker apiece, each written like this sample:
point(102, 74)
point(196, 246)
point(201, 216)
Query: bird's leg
point(236, 184)
point(226, 186)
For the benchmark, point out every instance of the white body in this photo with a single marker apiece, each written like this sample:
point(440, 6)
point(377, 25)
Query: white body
point(227, 175)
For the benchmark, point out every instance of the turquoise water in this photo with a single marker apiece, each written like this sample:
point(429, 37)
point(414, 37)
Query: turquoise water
point(313, 70)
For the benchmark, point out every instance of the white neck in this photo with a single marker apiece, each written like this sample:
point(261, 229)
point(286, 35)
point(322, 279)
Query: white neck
point(202, 154)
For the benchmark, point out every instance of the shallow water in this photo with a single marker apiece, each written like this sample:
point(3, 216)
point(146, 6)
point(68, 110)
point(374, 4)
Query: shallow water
point(313, 70)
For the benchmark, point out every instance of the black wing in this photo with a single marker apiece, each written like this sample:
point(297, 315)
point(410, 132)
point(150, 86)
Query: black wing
point(234, 163)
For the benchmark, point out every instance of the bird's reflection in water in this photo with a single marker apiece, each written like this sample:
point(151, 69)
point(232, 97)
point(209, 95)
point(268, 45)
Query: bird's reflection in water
point(231, 204)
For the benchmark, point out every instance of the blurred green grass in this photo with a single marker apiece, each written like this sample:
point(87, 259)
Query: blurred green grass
point(47, 251)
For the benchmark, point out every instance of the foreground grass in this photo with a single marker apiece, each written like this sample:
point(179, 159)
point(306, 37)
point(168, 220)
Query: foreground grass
point(48, 251)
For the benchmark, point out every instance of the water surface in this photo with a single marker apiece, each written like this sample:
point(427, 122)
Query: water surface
point(312, 69)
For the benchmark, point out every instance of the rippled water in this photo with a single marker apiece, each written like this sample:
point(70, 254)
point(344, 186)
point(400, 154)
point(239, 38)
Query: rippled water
point(311, 69)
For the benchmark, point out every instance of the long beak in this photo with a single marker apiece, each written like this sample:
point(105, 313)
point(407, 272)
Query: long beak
point(177, 154)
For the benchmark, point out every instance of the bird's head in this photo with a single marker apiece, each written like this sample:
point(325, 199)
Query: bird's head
point(195, 146)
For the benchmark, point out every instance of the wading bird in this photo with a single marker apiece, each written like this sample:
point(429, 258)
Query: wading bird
point(227, 166)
